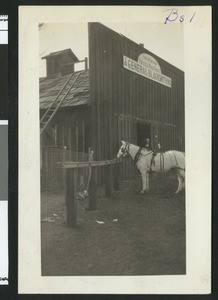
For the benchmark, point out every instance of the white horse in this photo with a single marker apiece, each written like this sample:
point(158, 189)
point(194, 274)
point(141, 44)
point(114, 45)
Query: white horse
point(147, 161)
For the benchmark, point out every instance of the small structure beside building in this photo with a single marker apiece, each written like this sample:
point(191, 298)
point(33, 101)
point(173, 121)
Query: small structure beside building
point(67, 136)
point(60, 63)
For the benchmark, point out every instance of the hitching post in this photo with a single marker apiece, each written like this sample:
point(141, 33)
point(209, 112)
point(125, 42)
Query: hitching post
point(64, 159)
point(116, 177)
point(93, 189)
point(108, 180)
point(70, 197)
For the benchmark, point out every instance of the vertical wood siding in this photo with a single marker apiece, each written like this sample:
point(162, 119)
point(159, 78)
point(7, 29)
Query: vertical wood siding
point(120, 97)
point(72, 144)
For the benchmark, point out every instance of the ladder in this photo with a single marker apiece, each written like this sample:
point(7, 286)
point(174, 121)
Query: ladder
point(53, 108)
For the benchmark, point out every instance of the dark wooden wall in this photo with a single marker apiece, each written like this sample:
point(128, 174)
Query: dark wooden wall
point(72, 126)
point(70, 142)
point(120, 98)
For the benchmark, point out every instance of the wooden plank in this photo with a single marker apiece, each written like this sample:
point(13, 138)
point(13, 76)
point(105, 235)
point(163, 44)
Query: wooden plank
point(110, 100)
point(105, 116)
point(77, 140)
point(119, 137)
point(69, 143)
point(92, 82)
point(86, 63)
point(99, 102)
point(83, 135)
point(119, 78)
point(98, 98)
point(122, 138)
point(115, 84)
point(70, 197)
point(93, 190)
point(108, 181)
point(85, 164)
point(145, 120)
point(116, 177)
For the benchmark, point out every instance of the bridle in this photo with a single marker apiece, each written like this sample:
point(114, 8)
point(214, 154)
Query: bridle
point(124, 151)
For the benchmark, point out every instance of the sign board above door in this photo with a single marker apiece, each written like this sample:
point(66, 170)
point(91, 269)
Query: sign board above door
point(148, 67)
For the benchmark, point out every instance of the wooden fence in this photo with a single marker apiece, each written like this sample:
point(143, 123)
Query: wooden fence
point(71, 184)
point(52, 176)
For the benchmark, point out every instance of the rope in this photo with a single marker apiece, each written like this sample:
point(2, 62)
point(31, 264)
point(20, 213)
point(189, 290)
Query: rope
point(162, 165)
point(137, 156)
point(152, 160)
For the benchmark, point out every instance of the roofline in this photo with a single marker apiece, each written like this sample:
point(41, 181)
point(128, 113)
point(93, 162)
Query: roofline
point(144, 50)
point(56, 53)
point(50, 78)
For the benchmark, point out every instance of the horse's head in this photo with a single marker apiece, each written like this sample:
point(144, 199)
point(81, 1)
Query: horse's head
point(123, 151)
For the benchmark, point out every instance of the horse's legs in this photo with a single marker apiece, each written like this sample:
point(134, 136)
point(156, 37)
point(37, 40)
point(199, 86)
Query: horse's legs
point(148, 183)
point(144, 181)
point(182, 173)
point(183, 184)
point(180, 182)
point(181, 179)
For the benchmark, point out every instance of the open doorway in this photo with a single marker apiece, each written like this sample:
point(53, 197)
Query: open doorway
point(143, 133)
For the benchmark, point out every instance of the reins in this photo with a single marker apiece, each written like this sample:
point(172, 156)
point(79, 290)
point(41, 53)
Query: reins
point(126, 151)
point(139, 153)
point(162, 165)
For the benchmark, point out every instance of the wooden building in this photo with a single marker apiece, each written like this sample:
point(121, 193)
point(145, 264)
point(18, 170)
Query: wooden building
point(134, 94)
point(67, 136)
point(60, 62)
point(128, 93)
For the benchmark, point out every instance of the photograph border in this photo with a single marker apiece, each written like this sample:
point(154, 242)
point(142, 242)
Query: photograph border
point(198, 90)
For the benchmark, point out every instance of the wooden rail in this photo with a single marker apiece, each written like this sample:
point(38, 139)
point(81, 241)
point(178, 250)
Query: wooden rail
point(71, 168)
point(84, 164)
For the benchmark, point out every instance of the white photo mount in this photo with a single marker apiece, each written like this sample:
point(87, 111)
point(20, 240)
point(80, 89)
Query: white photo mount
point(197, 28)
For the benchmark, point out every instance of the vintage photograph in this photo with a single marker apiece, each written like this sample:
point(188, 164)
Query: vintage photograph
point(114, 123)
point(112, 148)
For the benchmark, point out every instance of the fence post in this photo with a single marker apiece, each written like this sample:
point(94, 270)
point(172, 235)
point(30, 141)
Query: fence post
point(64, 159)
point(116, 177)
point(86, 63)
point(70, 197)
point(108, 181)
point(93, 189)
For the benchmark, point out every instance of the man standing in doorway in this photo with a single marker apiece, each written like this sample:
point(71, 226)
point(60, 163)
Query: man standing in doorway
point(147, 144)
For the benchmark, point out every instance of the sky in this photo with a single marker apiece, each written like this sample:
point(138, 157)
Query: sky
point(166, 42)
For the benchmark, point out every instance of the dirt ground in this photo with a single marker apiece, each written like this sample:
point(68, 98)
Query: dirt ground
point(129, 233)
